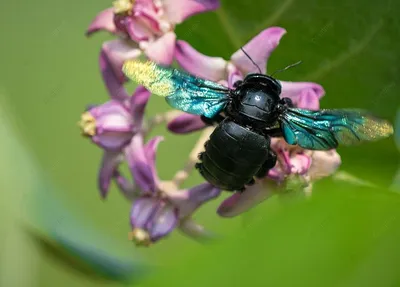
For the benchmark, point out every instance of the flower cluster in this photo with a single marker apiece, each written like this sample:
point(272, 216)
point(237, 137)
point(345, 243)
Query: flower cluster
point(120, 129)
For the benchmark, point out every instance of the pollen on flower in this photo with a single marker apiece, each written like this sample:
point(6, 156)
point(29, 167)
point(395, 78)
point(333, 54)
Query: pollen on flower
point(140, 237)
point(88, 124)
point(123, 6)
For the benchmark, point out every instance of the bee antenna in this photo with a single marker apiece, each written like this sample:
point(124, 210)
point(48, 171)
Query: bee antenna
point(254, 63)
point(286, 68)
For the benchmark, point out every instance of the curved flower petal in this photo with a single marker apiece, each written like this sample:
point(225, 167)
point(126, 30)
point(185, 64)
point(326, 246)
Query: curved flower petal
point(163, 222)
point(242, 202)
point(150, 150)
point(148, 17)
point(234, 75)
point(179, 10)
point(259, 49)
point(109, 164)
point(196, 231)
point(113, 55)
point(143, 209)
point(112, 140)
point(136, 30)
point(162, 50)
point(103, 21)
point(303, 93)
point(127, 188)
point(138, 104)
point(324, 163)
point(109, 125)
point(190, 199)
point(308, 99)
point(186, 123)
point(210, 68)
point(300, 163)
point(141, 169)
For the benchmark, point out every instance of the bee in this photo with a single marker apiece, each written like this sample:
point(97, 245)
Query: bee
point(247, 116)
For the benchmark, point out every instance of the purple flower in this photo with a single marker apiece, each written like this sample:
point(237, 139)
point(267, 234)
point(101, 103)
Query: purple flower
point(161, 206)
point(143, 26)
point(111, 126)
point(303, 94)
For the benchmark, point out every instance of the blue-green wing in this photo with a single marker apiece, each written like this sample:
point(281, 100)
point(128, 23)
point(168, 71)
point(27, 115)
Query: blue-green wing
point(181, 90)
point(326, 129)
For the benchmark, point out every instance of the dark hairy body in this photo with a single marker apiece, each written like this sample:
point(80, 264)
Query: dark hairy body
point(239, 148)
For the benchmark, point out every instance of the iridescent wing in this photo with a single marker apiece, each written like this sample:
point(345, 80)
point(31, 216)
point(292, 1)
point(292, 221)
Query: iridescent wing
point(181, 90)
point(326, 129)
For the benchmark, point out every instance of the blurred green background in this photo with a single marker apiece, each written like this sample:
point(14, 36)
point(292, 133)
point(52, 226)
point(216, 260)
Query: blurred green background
point(344, 235)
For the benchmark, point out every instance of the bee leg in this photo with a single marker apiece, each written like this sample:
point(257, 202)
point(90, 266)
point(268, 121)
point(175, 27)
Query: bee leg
point(268, 164)
point(275, 132)
point(237, 84)
point(198, 166)
point(240, 190)
point(287, 102)
point(200, 156)
point(251, 182)
point(212, 121)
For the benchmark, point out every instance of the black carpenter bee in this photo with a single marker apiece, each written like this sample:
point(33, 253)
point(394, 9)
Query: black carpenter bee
point(247, 116)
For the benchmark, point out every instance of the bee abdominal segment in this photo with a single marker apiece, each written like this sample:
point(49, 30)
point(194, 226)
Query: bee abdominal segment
point(233, 156)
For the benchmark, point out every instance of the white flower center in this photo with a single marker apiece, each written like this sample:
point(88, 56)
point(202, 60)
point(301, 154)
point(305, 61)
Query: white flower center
point(123, 6)
point(140, 237)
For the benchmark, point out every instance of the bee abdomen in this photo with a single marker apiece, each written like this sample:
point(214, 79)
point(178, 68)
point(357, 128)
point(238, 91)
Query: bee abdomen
point(233, 156)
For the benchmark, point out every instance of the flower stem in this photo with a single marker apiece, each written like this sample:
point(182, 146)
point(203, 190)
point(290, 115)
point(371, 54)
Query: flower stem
point(161, 118)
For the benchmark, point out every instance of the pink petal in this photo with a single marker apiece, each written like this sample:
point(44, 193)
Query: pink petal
point(259, 49)
point(302, 93)
point(142, 211)
point(141, 169)
point(127, 188)
point(112, 141)
point(242, 202)
point(190, 199)
point(308, 99)
point(324, 163)
point(163, 222)
point(112, 116)
point(103, 21)
point(137, 30)
point(148, 18)
point(110, 162)
point(150, 150)
point(210, 68)
point(114, 126)
point(113, 55)
point(234, 75)
point(138, 104)
point(162, 50)
point(186, 123)
point(300, 163)
point(179, 10)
